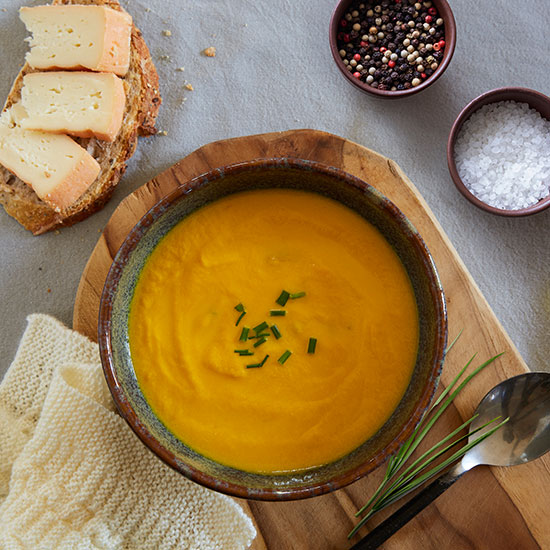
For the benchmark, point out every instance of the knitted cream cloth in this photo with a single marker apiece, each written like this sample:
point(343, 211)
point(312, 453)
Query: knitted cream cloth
point(74, 476)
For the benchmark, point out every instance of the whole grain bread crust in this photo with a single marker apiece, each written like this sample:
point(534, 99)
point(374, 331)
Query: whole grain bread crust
point(142, 103)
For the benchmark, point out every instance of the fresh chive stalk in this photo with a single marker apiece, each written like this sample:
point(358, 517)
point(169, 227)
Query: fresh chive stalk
point(296, 295)
point(275, 331)
point(411, 476)
point(283, 298)
point(277, 312)
point(284, 357)
point(244, 334)
point(240, 308)
point(312, 344)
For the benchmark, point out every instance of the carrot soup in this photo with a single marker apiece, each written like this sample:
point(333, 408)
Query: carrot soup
point(273, 330)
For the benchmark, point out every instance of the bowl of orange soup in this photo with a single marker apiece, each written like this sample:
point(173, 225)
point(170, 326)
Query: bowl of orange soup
point(274, 329)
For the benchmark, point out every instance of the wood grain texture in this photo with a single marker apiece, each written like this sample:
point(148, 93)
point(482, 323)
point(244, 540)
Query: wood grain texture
point(489, 508)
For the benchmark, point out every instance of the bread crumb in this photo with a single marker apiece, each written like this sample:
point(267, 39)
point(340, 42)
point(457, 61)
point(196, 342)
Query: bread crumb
point(162, 133)
point(180, 69)
point(164, 58)
point(210, 51)
point(49, 289)
point(56, 231)
point(189, 87)
point(4, 9)
point(147, 10)
point(167, 32)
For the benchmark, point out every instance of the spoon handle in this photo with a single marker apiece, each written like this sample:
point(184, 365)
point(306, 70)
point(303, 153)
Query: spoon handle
point(402, 516)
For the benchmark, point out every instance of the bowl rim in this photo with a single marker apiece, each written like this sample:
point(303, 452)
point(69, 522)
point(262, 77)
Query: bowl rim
point(504, 93)
point(238, 490)
point(450, 44)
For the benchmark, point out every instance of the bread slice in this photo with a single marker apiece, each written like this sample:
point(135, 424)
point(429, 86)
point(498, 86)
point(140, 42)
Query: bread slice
point(142, 104)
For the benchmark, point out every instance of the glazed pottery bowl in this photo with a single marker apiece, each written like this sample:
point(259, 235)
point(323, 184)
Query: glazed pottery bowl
point(535, 100)
point(445, 12)
point(268, 174)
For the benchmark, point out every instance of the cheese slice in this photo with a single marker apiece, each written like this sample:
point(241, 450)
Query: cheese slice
point(76, 37)
point(77, 103)
point(56, 167)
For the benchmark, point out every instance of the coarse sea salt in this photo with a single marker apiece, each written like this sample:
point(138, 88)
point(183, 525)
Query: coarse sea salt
point(502, 155)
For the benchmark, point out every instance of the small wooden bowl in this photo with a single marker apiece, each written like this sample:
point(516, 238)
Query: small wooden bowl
point(536, 101)
point(444, 11)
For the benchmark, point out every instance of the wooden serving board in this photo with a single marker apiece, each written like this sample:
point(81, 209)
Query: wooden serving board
point(489, 508)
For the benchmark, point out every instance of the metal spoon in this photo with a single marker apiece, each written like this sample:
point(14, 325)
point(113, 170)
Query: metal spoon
point(526, 436)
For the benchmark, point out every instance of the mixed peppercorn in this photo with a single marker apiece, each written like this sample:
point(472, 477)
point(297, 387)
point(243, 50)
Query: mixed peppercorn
point(391, 44)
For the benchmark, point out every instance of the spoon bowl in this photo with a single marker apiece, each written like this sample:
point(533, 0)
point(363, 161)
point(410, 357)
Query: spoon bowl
point(525, 400)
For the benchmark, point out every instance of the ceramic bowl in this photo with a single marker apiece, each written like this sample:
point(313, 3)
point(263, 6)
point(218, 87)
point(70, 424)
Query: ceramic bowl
point(262, 174)
point(444, 11)
point(535, 100)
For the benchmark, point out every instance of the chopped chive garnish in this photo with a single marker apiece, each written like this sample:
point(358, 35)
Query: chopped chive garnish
point(283, 298)
point(295, 295)
point(284, 357)
point(240, 307)
point(243, 352)
point(244, 334)
point(311, 345)
point(240, 317)
point(260, 341)
point(258, 328)
point(277, 312)
point(261, 335)
point(275, 331)
point(257, 365)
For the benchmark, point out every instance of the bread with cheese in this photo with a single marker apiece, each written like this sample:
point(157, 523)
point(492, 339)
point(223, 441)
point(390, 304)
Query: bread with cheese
point(142, 103)
point(82, 104)
point(78, 37)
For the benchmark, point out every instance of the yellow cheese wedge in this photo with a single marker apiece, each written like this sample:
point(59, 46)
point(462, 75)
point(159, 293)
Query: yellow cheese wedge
point(78, 103)
point(56, 167)
point(76, 37)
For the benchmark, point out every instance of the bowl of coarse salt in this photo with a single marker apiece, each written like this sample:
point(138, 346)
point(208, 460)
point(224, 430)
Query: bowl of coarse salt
point(498, 151)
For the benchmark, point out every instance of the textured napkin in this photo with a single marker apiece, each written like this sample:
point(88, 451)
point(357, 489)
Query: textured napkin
point(74, 476)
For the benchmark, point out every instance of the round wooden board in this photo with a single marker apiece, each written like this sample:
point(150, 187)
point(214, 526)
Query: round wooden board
point(513, 516)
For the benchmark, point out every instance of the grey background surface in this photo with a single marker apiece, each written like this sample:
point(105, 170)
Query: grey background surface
point(273, 71)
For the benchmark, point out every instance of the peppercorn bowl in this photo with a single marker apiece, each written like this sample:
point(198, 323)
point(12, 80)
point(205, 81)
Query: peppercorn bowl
point(220, 184)
point(499, 99)
point(391, 49)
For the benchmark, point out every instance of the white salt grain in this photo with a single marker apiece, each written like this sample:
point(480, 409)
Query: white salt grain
point(502, 155)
